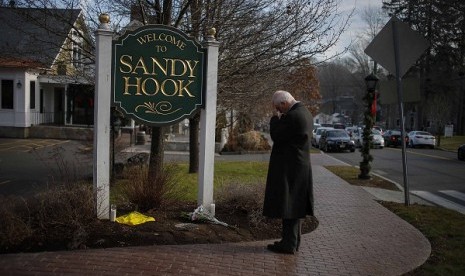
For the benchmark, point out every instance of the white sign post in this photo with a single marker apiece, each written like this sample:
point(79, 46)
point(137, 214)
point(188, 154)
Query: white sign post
point(208, 126)
point(397, 47)
point(102, 128)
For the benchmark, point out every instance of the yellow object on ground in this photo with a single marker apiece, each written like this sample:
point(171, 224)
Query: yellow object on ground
point(134, 218)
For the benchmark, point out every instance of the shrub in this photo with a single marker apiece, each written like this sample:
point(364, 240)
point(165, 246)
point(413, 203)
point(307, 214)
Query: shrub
point(64, 211)
point(65, 205)
point(244, 198)
point(59, 214)
point(14, 226)
point(148, 193)
point(253, 140)
point(249, 141)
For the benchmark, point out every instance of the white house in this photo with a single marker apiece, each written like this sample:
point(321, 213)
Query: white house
point(43, 67)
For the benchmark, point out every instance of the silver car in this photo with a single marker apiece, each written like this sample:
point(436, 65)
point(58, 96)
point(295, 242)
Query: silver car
point(377, 142)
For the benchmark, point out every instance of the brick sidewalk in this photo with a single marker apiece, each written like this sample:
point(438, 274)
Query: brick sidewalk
point(355, 236)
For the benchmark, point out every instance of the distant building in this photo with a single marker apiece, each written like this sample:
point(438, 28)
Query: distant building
point(343, 109)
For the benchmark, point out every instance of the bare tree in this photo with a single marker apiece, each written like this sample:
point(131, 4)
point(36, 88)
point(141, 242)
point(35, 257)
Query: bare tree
point(374, 20)
point(270, 36)
point(359, 63)
point(335, 81)
point(305, 85)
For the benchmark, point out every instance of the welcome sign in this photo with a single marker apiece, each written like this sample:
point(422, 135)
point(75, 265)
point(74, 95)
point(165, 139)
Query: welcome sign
point(157, 75)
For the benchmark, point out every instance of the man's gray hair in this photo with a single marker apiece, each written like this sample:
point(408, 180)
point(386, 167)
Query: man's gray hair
point(282, 96)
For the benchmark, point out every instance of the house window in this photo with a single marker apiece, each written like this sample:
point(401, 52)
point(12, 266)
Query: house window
point(32, 91)
point(61, 70)
point(77, 57)
point(7, 94)
point(77, 49)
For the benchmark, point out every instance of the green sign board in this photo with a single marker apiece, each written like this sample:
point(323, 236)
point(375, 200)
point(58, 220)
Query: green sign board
point(157, 75)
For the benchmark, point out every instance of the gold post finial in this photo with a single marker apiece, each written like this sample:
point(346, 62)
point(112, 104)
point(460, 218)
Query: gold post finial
point(104, 18)
point(211, 32)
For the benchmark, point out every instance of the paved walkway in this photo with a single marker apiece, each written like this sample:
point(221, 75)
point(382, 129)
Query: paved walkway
point(355, 236)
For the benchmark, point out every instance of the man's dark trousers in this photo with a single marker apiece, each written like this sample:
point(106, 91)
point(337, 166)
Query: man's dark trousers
point(291, 233)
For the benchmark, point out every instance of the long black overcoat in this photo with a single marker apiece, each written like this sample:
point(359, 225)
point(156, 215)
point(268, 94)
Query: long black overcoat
point(289, 184)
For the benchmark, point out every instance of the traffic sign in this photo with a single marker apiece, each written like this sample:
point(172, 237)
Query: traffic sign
point(411, 46)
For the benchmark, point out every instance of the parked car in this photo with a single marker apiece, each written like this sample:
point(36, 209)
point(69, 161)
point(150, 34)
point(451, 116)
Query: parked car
point(353, 131)
point(461, 152)
point(421, 138)
point(316, 135)
point(377, 142)
point(336, 140)
point(380, 129)
point(392, 138)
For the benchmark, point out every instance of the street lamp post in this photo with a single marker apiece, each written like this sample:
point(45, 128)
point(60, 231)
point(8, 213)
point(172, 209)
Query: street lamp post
point(365, 167)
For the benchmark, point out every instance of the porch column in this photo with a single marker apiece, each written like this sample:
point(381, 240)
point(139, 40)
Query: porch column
point(102, 128)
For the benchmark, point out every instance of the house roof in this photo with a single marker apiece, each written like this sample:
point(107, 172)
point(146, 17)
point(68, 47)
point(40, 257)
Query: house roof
point(29, 37)
point(19, 63)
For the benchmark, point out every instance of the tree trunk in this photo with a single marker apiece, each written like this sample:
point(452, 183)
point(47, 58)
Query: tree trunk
point(194, 121)
point(194, 150)
point(156, 152)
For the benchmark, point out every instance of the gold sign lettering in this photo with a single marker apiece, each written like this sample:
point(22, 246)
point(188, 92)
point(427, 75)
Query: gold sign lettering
point(153, 37)
point(153, 67)
point(127, 85)
point(168, 87)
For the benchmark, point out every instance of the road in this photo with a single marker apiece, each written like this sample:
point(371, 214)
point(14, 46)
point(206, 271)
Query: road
point(29, 165)
point(435, 175)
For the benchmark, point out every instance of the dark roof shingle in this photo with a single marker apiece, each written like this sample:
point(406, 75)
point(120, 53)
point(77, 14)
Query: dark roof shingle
point(34, 35)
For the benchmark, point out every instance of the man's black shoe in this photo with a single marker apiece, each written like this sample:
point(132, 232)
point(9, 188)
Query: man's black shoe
point(279, 248)
point(296, 249)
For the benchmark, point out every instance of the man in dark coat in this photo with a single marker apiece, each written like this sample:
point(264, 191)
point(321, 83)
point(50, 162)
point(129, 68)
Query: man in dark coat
point(289, 184)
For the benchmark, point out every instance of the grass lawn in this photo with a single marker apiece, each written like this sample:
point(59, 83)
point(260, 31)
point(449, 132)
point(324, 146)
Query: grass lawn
point(445, 229)
point(451, 143)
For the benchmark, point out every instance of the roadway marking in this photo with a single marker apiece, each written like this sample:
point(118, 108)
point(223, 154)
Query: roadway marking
point(424, 154)
point(433, 156)
point(454, 194)
point(4, 182)
point(440, 201)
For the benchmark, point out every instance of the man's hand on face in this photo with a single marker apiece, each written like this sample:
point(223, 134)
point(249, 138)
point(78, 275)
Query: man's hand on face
point(279, 109)
point(275, 111)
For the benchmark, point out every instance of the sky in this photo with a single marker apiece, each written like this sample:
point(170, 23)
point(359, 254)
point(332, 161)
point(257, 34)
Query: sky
point(356, 23)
